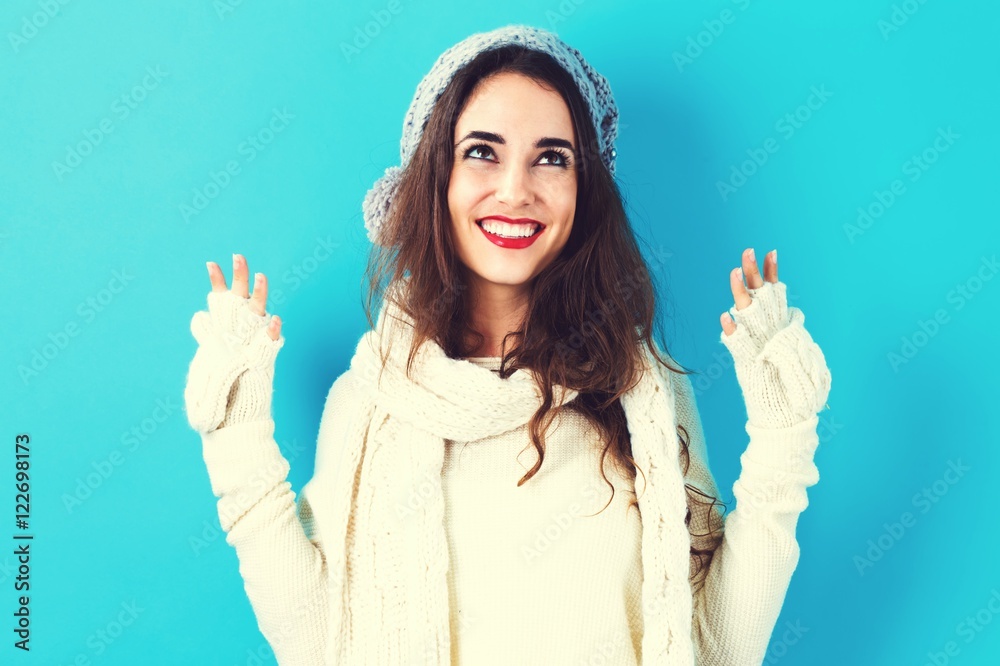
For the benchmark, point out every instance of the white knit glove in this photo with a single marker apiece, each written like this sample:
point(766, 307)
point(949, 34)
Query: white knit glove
point(781, 371)
point(231, 377)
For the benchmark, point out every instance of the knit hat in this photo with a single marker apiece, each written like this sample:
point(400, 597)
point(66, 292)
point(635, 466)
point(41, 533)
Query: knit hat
point(593, 87)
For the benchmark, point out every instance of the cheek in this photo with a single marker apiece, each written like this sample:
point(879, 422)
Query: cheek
point(564, 203)
point(461, 192)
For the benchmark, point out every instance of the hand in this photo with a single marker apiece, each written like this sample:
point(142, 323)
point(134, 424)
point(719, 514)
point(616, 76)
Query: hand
point(241, 289)
point(781, 371)
point(741, 296)
point(230, 378)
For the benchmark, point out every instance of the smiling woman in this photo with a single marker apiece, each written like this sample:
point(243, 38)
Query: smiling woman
point(515, 329)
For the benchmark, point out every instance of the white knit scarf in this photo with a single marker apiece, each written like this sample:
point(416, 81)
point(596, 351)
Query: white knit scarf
point(388, 556)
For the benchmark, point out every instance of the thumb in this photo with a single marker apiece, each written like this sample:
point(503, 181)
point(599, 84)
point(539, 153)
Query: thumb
point(274, 327)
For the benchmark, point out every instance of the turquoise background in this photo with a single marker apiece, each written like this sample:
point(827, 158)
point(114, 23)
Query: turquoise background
point(103, 270)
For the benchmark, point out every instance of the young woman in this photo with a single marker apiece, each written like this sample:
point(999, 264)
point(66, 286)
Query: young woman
point(478, 465)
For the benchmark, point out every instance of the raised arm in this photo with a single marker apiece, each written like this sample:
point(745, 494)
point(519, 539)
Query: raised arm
point(737, 602)
point(785, 382)
point(228, 401)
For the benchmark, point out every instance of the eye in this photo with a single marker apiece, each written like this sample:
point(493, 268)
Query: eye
point(562, 158)
point(479, 146)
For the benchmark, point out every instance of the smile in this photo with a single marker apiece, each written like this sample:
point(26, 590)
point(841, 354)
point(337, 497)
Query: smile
point(511, 236)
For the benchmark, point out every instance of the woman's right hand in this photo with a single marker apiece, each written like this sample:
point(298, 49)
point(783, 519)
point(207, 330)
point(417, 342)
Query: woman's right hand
point(230, 378)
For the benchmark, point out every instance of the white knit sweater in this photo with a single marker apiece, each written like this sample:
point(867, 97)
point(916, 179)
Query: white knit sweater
point(533, 578)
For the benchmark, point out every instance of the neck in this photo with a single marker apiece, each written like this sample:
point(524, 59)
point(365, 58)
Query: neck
point(497, 309)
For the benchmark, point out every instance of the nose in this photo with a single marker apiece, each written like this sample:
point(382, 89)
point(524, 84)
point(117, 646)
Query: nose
point(514, 186)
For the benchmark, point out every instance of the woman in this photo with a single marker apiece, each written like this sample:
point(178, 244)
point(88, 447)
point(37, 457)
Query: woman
point(477, 465)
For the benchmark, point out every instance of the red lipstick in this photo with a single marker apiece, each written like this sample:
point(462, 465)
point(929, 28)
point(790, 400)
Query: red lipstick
point(511, 243)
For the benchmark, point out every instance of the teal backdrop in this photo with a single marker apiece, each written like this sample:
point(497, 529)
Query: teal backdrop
point(140, 140)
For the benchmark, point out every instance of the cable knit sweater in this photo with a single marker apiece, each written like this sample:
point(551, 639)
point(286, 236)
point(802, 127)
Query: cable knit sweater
point(538, 574)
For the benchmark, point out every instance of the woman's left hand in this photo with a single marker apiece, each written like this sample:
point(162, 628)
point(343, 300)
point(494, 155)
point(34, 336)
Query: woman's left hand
point(781, 371)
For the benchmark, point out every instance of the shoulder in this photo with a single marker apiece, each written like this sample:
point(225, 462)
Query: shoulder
point(343, 386)
point(676, 378)
point(343, 416)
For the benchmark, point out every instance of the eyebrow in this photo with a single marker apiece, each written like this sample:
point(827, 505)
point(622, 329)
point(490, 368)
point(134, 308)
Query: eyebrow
point(544, 142)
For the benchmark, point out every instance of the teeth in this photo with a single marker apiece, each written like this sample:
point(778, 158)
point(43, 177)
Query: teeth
point(509, 230)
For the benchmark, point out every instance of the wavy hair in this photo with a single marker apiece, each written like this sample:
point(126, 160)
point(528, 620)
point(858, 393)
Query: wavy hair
point(588, 312)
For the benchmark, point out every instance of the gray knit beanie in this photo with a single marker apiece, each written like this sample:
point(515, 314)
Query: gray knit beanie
point(592, 85)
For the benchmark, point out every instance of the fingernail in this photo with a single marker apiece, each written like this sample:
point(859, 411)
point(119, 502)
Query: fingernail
point(774, 255)
point(752, 258)
point(208, 265)
point(256, 278)
point(741, 272)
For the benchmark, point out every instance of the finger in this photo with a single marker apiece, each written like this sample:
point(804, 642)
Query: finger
point(728, 325)
point(750, 271)
point(216, 277)
point(740, 295)
point(771, 266)
point(240, 286)
point(259, 299)
point(274, 327)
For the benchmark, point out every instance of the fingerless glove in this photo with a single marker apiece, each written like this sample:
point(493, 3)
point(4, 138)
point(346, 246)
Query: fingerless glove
point(231, 376)
point(781, 371)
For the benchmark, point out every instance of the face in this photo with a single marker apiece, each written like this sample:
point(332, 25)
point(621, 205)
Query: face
point(515, 158)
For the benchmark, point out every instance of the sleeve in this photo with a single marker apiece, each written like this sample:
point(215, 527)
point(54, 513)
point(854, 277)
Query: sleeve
point(281, 556)
point(738, 604)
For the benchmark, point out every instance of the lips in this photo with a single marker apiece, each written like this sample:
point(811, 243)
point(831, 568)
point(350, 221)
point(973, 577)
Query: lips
point(511, 243)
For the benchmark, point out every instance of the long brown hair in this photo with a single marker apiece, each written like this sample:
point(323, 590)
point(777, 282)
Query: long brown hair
point(588, 311)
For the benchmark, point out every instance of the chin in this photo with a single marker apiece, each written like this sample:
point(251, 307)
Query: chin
point(507, 278)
